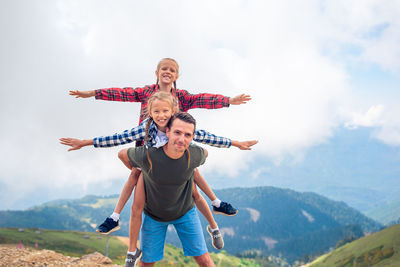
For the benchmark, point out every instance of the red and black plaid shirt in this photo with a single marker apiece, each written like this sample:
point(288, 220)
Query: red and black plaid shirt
point(186, 101)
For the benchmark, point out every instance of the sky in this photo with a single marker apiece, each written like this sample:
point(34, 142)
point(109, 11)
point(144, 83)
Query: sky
point(311, 67)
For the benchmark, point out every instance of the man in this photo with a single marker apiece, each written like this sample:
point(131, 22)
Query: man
point(168, 184)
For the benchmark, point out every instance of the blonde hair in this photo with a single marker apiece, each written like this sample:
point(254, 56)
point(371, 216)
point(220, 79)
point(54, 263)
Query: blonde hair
point(160, 96)
point(177, 69)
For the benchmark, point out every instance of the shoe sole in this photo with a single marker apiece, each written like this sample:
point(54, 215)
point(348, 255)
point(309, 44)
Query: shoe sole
point(223, 244)
point(137, 260)
point(109, 232)
point(221, 213)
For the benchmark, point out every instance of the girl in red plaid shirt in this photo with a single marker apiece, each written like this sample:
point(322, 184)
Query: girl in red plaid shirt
point(167, 73)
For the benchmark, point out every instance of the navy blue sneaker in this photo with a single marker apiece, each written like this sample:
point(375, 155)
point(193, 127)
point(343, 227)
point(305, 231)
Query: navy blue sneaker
point(108, 226)
point(225, 209)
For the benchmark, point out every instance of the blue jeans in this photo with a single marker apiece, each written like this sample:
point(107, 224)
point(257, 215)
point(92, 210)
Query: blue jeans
point(189, 231)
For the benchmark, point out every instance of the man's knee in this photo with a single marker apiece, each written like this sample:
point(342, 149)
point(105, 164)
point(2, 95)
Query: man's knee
point(123, 156)
point(204, 260)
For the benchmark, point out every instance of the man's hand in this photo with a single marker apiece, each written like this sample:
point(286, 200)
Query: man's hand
point(83, 94)
point(240, 99)
point(245, 145)
point(74, 143)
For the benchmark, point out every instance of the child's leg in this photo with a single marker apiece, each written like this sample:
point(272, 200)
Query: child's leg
point(203, 207)
point(135, 222)
point(111, 223)
point(123, 156)
point(127, 190)
point(201, 182)
point(129, 185)
point(216, 236)
point(219, 207)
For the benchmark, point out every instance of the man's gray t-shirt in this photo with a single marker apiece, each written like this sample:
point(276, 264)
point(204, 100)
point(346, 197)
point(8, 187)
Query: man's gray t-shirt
point(168, 186)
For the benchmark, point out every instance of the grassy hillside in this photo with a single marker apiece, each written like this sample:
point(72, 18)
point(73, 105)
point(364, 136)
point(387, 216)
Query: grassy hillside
point(379, 249)
point(278, 222)
point(72, 243)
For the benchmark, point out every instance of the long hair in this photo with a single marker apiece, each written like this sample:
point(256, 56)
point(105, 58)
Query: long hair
point(174, 88)
point(160, 96)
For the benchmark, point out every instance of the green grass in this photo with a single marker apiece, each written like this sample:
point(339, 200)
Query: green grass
point(173, 256)
point(77, 244)
point(379, 249)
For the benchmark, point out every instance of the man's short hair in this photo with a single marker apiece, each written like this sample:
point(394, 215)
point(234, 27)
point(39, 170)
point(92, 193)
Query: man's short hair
point(183, 116)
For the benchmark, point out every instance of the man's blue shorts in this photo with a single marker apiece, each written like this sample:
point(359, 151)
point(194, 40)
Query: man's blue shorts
point(189, 231)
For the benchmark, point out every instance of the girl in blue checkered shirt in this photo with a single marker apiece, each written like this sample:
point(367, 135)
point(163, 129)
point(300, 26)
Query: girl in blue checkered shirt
point(162, 106)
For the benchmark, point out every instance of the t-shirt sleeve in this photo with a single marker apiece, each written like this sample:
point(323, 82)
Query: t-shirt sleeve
point(199, 156)
point(137, 156)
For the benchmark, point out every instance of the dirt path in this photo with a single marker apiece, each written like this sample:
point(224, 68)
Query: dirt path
point(124, 239)
point(11, 256)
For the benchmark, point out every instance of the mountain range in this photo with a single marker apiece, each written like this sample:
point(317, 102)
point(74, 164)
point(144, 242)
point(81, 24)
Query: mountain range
point(271, 221)
point(352, 166)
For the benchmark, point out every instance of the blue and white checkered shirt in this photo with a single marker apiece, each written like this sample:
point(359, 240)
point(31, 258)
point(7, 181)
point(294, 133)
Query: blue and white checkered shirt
point(138, 133)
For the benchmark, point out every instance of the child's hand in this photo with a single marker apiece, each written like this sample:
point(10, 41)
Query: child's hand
point(83, 94)
point(240, 99)
point(74, 143)
point(245, 145)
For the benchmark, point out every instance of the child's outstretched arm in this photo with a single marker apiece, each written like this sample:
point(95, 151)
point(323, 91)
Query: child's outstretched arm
point(127, 136)
point(82, 94)
point(75, 143)
point(127, 94)
point(204, 137)
point(209, 101)
point(244, 145)
point(240, 99)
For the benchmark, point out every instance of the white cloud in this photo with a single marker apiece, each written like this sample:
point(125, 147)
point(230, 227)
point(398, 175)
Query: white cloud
point(386, 123)
point(371, 27)
point(389, 132)
point(288, 55)
point(373, 117)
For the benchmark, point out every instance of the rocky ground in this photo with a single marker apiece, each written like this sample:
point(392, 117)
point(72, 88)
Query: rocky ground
point(11, 256)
